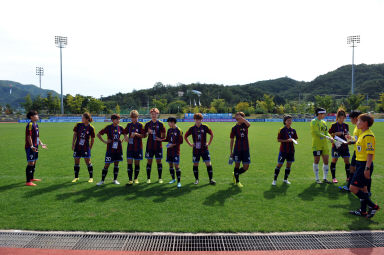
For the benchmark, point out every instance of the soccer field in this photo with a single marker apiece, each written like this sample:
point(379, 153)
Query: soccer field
point(58, 204)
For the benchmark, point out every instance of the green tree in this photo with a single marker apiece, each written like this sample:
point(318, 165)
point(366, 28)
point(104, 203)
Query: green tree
point(324, 102)
point(8, 109)
point(28, 103)
point(354, 101)
point(244, 107)
point(269, 103)
point(176, 106)
point(380, 105)
point(219, 105)
point(160, 104)
point(38, 103)
point(280, 109)
point(117, 109)
point(95, 105)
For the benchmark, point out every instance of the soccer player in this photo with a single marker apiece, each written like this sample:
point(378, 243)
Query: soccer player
point(81, 146)
point(285, 137)
point(174, 139)
point(241, 151)
point(352, 140)
point(365, 154)
point(200, 146)
point(153, 129)
point(341, 130)
point(319, 144)
point(135, 133)
point(32, 142)
point(114, 152)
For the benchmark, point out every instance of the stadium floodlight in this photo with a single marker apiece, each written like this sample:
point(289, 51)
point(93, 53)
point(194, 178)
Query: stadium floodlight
point(40, 72)
point(354, 39)
point(61, 42)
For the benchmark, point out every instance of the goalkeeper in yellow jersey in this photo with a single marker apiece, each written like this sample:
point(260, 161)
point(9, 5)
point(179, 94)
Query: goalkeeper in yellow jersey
point(320, 144)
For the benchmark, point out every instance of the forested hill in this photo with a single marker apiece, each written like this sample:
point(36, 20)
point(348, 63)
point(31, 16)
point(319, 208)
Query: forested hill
point(369, 79)
point(19, 92)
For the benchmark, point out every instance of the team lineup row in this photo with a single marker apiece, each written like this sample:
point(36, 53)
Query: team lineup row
point(358, 179)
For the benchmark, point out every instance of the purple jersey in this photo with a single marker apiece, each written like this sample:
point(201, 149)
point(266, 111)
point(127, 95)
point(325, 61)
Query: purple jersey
point(199, 136)
point(284, 134)
point(240, 132)
point(134, 144)
point(32, 130)
point(113, 134)
point(83, 133)
point(174, 136)
point(344, 128)
point(158, 129)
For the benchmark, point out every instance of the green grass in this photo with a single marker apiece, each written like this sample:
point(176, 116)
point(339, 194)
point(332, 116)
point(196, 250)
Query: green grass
point(58, 204)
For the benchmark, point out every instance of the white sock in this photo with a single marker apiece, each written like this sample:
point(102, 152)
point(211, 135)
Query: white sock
point(325, 171)
point(316, 170)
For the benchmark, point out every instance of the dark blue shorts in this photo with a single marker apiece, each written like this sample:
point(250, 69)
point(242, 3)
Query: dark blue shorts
point(286, 156)
point(136, 155)
point(82, 153)
point(358, 178)
point(344, 153)
point(353, 160)
point(242, 156)
point(173, 158)
point(31, 155)
point(197, 154)
point(158, 154)
point(111, 157)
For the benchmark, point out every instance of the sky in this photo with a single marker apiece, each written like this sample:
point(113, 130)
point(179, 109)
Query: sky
point(120, 46)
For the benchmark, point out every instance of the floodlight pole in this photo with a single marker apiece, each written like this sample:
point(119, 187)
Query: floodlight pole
point(61, 42)
point(352, 40)
point(39, 72)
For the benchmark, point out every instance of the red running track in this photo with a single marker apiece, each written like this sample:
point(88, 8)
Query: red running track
point(29, 251)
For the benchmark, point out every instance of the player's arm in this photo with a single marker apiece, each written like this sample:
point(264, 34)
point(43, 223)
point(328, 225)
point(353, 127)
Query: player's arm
point(210, 137)
point(231, 146)
point(99, 135)
point(281, 140)
point(246, 122)
point(29, 139)
point(315, 130)
point(186, 138)
point(367, 171)
point(92, 142)
point(74, 140)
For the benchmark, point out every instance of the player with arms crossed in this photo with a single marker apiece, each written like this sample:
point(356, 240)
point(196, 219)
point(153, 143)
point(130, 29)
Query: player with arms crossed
point(287, 136)
point(174, 139)
point(81, 146)
point(114, 152)
point(154, 129)
point(319, 144)
point(32, 142)
point(200, 146)
point(365, 154)
point(241, 151)
point(135, 133)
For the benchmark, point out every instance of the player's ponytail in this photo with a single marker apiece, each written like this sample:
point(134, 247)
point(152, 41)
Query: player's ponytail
point(88, 116)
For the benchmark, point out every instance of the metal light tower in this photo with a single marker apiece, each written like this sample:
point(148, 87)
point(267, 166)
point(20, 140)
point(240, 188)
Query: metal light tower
point(61, 42)
point(354, 39)
point(40, 72)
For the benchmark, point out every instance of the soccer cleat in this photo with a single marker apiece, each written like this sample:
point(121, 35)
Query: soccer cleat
point(160, 180)
point(318, 181)
point(274, 183)
point(212, 182)
point(196, 182)
point(372, 211)
point(326, 181)
point(334, 180)
point(344, 188)
point(287, 182)
point(239, 185)
point(100, 183)
point(30, 184)
point(90, 180)
point(234, 178)
point(149, 181)
point(137, 181)
point(35, 180)
point(358, 213)
point(130, 182)
point(75, 180)
point(179, 185)
point(172, 181)
point(116, 182)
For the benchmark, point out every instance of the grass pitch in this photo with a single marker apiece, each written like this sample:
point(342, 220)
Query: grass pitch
point(58, 204)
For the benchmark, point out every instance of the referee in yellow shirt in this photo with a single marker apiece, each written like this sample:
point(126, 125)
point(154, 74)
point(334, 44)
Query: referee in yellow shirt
point(365, 154)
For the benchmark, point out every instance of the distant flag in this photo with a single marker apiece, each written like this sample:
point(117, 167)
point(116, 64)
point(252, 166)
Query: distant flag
point(10, 89)
point(194, 101)
point(199, 102)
